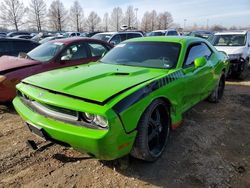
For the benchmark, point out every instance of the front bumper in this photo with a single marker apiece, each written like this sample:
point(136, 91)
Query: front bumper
point(104, 144)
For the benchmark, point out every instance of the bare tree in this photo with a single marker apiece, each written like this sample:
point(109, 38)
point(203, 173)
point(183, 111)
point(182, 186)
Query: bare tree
point(165, 20)
point(37, 13)
point(57, 15)
point(93, 21)
point(146, 21)
point(12, 13)
point(106, 22)
point(116, 18)
point(130, 17)
point(76, 15)
point(153, 16)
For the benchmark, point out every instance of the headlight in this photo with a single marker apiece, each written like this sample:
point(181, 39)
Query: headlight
point(234, 56)
point(2, 78)
point(95, 120)
point(89, 117)
point(101, 121)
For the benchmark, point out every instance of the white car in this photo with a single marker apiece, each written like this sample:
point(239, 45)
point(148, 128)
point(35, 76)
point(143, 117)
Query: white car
point(237, 47)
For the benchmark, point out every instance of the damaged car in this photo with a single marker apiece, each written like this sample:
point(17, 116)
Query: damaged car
point(129, 101)
point(48, 56)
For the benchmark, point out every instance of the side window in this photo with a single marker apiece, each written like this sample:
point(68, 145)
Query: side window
point(77, 34)
point(172, 33)
point(197, 50)
point(20, 46)
point(133, 35)
point(5, 46)
point(97, 49)
point(75, 52)
point(115, 39)
point(123, 37)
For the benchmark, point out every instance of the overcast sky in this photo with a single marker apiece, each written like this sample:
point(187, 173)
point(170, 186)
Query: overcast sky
point(223, 12)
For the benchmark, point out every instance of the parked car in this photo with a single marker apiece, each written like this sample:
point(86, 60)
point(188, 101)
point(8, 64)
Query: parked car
point(116, 37)
point(13, 46)
point(72, 34)
point(90, 34)
point(51, 55)
point(23, 37)
point(129, 101)
point(168, 32)
point(201, 33)
point(50, 38)
point(237, 45)
point(40, 36)
point(15, 33)
point(3, 34)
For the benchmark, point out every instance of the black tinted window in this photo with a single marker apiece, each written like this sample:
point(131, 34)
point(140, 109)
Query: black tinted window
point(172, 33)
point(97, 49)
point(133, 35)
point(5, 46)
point(199, 50)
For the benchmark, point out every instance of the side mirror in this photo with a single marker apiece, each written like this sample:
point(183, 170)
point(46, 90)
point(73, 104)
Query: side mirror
point(200, 62)
point(65, 58)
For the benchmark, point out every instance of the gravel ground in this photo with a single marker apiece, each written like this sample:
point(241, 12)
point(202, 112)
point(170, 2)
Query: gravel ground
point(210, 149)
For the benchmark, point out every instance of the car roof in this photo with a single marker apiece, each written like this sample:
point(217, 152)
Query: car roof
point(164, 30)
point(176, 39)
point(77, 39)
point(231, 33)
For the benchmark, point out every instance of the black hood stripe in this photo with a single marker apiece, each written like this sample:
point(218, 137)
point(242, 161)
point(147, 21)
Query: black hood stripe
point(145, 91)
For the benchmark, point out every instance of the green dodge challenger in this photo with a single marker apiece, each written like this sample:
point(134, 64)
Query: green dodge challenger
point(129, 101)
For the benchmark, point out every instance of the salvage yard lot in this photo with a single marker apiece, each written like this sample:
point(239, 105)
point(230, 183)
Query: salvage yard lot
point(211, 148)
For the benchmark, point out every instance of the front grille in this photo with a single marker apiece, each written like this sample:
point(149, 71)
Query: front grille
point(62, 114)
point(49, 110)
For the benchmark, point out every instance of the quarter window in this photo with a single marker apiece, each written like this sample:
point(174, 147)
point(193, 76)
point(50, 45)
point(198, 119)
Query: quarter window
point(198, 50)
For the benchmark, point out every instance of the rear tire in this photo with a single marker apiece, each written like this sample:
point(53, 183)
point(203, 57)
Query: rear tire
point(153, 132)
point(218, 91)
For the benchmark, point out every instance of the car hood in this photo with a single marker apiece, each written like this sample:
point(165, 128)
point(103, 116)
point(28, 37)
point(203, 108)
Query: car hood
point(230, 49)
point(96, 82)
point(10, 62)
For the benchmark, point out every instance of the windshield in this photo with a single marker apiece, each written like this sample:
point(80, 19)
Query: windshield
point(103, 37)
point(144, 54)
point(45, 52)
point(229, 40)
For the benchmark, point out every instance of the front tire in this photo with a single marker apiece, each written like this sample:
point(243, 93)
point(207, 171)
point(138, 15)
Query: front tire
point(218, 91)
point(153, 132)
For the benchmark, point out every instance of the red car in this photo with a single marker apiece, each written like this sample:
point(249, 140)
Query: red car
point(51, 55)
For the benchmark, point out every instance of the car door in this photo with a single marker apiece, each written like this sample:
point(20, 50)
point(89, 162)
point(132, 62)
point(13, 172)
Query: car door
point(196, 79)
